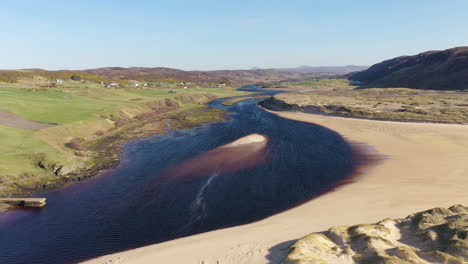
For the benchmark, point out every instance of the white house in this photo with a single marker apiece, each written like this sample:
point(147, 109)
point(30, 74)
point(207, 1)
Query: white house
point(134, 84)
point(59, 81)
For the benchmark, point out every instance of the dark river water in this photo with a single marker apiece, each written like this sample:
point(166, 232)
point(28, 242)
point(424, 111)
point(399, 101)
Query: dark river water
point(125, 208)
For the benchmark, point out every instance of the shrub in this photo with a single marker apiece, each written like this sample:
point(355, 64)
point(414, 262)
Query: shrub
point(76, 144)
point(80, 153)
point(122, 122)
point(75, 77)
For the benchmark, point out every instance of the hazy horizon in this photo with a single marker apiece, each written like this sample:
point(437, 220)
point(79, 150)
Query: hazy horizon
point(234, 69)
point(214, 35)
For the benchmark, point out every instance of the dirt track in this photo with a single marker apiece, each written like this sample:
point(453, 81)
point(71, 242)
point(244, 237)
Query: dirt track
point(12, 120)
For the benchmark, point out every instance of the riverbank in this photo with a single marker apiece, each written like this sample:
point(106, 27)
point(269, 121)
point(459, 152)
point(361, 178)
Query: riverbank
point(89, 125)
point(389, 104)
point(105, 150)
point(426, 167)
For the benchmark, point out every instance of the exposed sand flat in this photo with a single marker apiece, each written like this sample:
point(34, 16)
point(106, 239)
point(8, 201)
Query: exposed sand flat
point(12, 120)
point(427, 166)
point(254, 138)
point(245, 153)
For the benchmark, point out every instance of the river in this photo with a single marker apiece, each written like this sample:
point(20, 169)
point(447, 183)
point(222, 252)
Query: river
point(125, 207)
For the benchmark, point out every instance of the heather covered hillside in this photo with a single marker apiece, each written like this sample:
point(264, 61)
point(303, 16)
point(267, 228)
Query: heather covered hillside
point(217, 78)
point(228, 77)
point(437, 70)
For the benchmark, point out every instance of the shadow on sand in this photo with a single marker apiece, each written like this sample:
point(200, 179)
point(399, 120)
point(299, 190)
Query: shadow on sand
point(278, 252)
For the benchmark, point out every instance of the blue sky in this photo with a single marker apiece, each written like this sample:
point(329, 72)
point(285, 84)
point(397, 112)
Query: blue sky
point(206, 35)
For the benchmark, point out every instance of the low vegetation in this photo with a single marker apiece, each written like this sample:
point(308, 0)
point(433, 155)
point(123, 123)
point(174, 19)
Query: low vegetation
point(436, 70)
point(439, 235)
point(316, 83)
point(400, 104)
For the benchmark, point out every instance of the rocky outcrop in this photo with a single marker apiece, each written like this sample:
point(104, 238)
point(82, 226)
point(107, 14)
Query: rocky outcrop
point(439, 235)
point(24, 202)
point(440, 70)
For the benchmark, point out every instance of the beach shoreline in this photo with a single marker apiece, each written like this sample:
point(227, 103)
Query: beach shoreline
point(426, 167)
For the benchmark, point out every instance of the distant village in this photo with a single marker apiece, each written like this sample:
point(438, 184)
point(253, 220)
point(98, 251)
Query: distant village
point(114, 84)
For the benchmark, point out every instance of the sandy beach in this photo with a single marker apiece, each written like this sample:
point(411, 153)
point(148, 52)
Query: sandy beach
point(426, 167)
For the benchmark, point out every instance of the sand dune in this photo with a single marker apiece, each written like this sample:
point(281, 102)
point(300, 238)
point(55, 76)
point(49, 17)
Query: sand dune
point(426, 167)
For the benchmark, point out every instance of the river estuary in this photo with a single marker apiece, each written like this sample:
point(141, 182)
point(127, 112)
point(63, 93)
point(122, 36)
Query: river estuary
point(130, 206)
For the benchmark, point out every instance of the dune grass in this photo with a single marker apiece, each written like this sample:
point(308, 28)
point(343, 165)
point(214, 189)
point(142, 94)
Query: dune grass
point(400, 104)
point(311, 84)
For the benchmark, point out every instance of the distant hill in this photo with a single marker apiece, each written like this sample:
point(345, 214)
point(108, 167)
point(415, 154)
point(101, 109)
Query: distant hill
point(438, 70)
point(237, 77)
point(202, 78)
point(328, 69)
point(157, 74)
point(13, 76)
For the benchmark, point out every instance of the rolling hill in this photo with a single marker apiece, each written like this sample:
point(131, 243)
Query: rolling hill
point(436, 70)
point(202, 78)
point(234, 77)
point(328, 69)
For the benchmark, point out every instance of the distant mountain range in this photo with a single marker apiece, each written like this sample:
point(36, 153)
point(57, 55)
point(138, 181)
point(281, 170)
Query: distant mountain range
point(439, 70)
point(229, 77)
point(328, 69)
point(234, 77)
point(322, 69)
point(254, 75)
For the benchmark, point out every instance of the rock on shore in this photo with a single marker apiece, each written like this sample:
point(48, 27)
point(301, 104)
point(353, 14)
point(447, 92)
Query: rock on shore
point(439, 235)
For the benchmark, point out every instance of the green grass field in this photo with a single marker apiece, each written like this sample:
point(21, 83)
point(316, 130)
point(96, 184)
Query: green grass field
point(52, 106)
point(20, 150)
point(81, 111)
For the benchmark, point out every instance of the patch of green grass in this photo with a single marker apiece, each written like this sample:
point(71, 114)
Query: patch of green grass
point(20, 150)
point(68, 105)
point(52, 106)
